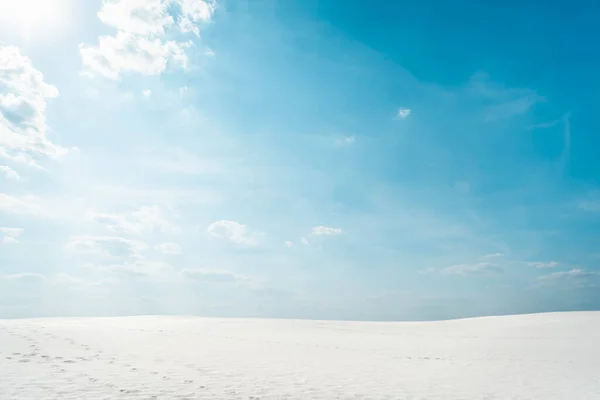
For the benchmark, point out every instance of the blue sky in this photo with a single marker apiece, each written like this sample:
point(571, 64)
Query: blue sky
point(301, 159)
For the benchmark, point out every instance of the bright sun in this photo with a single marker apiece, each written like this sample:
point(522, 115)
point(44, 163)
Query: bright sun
point(33, 16)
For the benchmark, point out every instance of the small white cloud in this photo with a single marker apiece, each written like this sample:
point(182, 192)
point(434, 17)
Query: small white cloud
point(471, 269)
point(137, 267)
point(345, 141)
point(10, 235)
point(209, 53)
point(169, 248)
point(403, 113)
point(494, 255)
point(146, 92)
point(462, 187)
point(25, 276)
point(234, 231)
point(574, 273)
point(9, 173)
point(213, 276)
point(106, 246)
point(145, 219)
point(543, 265)
point(303, 240)
point(590, 205)
point(289, 244)
point(19, 204)
point(64, 279)
point(326, 231)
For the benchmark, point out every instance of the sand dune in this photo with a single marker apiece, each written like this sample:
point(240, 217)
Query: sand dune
point(545, 356)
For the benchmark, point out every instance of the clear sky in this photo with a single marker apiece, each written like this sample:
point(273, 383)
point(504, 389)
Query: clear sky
point(383, 160)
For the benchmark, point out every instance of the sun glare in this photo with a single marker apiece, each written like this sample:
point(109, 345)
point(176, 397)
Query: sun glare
point(38, 17)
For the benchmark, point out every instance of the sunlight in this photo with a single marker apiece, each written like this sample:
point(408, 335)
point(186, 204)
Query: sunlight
point(33, 16)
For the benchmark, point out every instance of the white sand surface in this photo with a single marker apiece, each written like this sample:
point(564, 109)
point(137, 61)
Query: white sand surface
point(545, 356)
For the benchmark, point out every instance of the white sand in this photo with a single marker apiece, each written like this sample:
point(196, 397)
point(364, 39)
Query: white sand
point(546, 356)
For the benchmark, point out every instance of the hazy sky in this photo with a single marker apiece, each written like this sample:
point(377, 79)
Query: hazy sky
point(291, 158)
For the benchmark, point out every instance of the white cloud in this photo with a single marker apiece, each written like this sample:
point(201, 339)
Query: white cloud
point(146, 219)
point(25, 276)
point(345, 141)
point(403, 112)
point(494, 255)
point(106, 246)
point(169, 248)
point(129, 53)
point(193, 12)
point(141, 44)
point(10, 235)
point(303, 240)
point(542, 265)
point(137, 267)
point(146, 92)
point(592, 204)
point(213, 276)
point(574, 273)
point(64, 279)
point(23, 96)
point(289, 243)
point(9, 173)
point(177, 160)
point(326, 231)
point(471, 269)
point(19, 204)
point(501, 102)
point(141, 17)
point(234, 231)
point(462, 187)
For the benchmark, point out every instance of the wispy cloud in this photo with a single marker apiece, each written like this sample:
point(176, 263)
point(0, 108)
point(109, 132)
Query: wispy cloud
point(25, 276)
point(501, 102)
point(326, 231)
point(574, 273)
point(69, 280)
point(107, 246)
point(20, 204)
point(543, 265)
point(235, 232)
point(9, 173)
point(591, 202)
point(169, 248)
point(213, 276)
point(470, 269)
point(145, 219)
point(345, 141)
point(403, 112)
point(493, 255)
point(10, 235)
